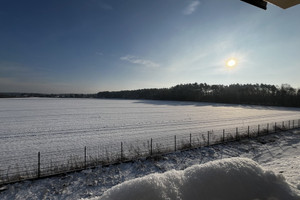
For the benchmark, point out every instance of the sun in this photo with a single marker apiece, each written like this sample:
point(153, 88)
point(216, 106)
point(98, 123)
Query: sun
point(231, 63)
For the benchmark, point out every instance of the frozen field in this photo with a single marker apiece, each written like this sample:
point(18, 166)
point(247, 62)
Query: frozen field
point(60, 126)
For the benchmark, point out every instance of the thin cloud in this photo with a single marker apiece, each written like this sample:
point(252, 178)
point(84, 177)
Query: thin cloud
point(136, 60)
point(9, 69)
point(191, 8)
point(38, 86)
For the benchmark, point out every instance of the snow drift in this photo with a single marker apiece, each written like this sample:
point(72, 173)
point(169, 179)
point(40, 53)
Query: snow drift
point(228, 179)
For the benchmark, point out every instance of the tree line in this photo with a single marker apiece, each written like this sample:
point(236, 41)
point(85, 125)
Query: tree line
point(26, 95)
point(254, 94)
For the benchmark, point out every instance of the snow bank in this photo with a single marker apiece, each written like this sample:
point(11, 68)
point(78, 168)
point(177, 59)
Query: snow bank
point(228, 179)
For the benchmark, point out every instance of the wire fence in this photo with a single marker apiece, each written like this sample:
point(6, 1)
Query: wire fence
point(38, 165)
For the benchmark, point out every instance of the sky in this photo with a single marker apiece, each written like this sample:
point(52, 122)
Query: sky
point(87, 46)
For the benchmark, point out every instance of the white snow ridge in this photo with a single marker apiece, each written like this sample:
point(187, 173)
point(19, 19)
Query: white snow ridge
point(227, 179)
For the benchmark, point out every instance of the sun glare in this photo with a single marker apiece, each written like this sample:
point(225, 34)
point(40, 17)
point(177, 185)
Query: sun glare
point(231, 63)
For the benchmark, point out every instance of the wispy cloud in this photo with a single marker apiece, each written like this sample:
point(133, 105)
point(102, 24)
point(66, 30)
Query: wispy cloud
point(191, 7)
point(8, 69)
point(40, 86)
point(139, 61)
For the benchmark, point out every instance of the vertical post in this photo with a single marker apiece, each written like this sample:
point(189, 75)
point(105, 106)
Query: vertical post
point(248, 132)
point(223, 135)
point(175, 142)
point(85, 157)
point(293, 124)
point(190, 140)
point(200, 136)
point(121, 151)
point(207, 138)
point(39, 165)
point(151, 147)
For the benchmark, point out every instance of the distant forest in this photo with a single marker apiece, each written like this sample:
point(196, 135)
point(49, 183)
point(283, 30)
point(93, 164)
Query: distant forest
point(254, 94)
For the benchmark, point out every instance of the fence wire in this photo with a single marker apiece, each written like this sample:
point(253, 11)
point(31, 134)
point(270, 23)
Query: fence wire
point(43, 164)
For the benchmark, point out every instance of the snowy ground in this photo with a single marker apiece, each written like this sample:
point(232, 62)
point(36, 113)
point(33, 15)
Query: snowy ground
point(226, 179)
point(278, 152)
point(60, 128)
point(41, 124)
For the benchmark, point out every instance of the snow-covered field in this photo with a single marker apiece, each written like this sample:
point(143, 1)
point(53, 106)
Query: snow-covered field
point(37, 124)
point(275, 177)
point(61, 128)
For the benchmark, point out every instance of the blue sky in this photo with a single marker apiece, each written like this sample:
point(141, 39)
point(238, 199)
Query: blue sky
point(86, 46)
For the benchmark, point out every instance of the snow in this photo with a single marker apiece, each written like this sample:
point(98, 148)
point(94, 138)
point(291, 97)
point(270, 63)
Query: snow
point(60, 128)
point(227, 179)
point(49, 124)
point(276, 174)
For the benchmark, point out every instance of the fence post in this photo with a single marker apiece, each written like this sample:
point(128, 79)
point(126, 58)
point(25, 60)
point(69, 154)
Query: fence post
point(293, 124)
point(175, 142)
point(223, 135)
point(190, 140)
point(121, 151)
point(151, 147)
point(85, 157)
point(207, 138)
point(248, 131)
point(39, 165)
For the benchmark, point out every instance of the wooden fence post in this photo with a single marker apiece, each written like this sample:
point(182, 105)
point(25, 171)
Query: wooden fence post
point(121, 151)
point(151, 151)
point(175, 142)
point(293, 124)
point(39, 165)
point(248, 131)
point(207, 138)
point(85, 157)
